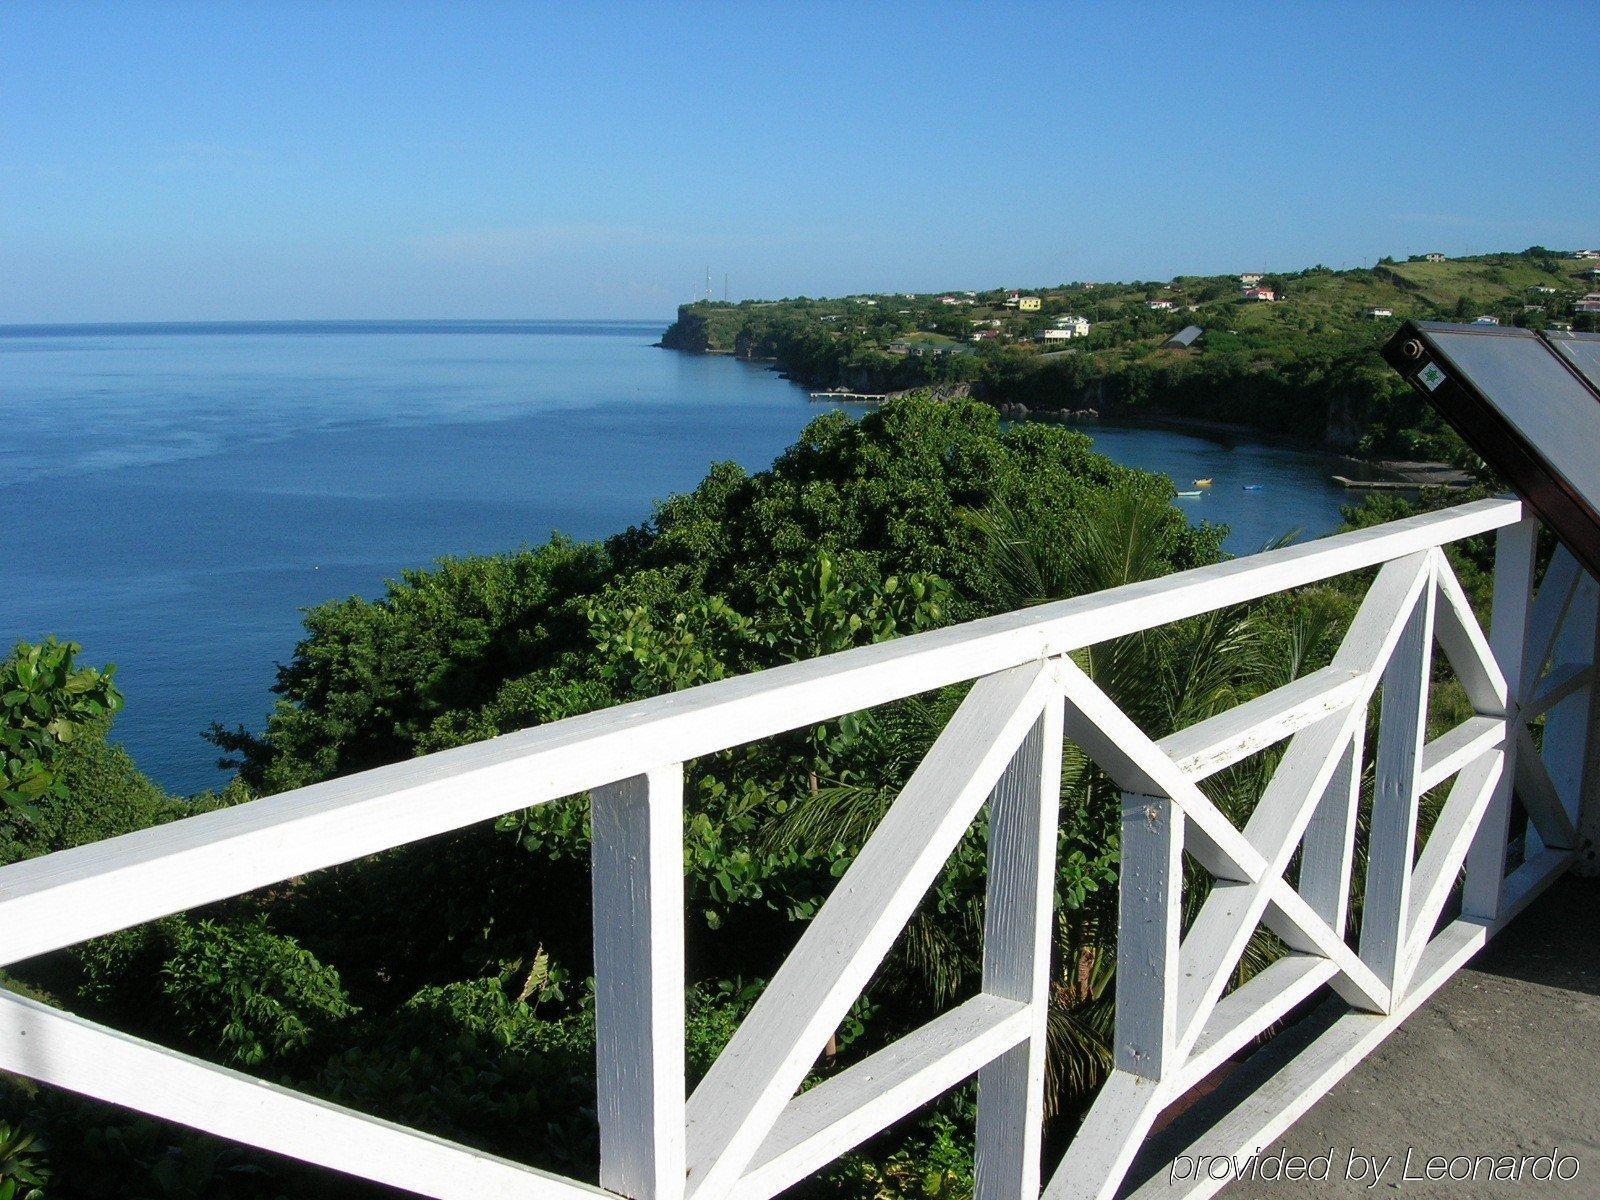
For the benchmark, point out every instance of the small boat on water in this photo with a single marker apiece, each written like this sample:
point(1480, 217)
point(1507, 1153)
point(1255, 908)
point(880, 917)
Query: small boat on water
point(1252, 487)
point(1202, 483)
point(1189, 493)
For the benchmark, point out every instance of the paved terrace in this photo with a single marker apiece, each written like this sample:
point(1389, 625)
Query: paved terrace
point(1504, 1059)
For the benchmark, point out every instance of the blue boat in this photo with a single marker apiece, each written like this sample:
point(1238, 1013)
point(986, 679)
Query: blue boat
point(1252, 487)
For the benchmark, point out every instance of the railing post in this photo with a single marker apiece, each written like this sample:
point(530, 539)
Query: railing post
point(1402, 726)
point(637, 876)
point(1019, 914)
point(1149, 920)
point(1514, 555)
point(1328, 851)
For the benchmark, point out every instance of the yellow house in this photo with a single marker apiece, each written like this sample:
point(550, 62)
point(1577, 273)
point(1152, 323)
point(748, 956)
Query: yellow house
point(1029, 303)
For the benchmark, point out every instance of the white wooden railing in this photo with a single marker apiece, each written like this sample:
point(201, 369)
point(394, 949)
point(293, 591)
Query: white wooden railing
point(745, 1133)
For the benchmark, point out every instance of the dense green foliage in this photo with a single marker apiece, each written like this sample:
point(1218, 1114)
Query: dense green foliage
point(1304, 365)
point(446, 984)
point(45, 704)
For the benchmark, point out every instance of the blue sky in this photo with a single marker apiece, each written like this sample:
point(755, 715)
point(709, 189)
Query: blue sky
point(233, 161)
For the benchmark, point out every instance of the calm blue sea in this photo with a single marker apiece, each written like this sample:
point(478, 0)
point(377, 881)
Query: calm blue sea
point(174, 495)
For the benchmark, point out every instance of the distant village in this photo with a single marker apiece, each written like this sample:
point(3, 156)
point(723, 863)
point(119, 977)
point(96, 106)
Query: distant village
point(1290, 351)
point(1057, 320)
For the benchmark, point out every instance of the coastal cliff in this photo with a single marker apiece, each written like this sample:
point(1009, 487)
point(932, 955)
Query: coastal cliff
point(691, 332)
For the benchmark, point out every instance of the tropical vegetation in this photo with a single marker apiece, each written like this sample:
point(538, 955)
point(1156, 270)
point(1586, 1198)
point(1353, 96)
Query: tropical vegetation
point(447, 984)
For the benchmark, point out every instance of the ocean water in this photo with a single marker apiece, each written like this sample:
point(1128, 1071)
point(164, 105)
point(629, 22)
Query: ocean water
point(173, 496)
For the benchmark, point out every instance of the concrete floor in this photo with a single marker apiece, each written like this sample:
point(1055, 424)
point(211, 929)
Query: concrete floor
point(1502, 1060)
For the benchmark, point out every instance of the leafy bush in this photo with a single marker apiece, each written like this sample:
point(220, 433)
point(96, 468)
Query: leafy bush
point(23, 1173)
point(254, 994)
point(46, 702)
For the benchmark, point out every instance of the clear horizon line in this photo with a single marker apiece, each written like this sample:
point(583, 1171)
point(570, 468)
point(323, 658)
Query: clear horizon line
point(157, 322)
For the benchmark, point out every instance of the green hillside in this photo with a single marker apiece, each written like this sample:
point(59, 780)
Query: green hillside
point(1303, 363)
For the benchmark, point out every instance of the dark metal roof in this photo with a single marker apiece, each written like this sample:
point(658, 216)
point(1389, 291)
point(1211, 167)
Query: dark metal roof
point(1528, 404)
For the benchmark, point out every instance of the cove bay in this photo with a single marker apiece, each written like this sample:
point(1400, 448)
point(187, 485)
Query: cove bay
point(176, 495)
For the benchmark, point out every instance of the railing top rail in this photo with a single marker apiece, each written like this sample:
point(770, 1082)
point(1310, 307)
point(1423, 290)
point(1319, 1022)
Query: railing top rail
point(153, 872)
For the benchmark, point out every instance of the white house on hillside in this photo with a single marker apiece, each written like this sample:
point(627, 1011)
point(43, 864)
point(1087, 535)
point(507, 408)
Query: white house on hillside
point(1072, 326)
point(1159, 305)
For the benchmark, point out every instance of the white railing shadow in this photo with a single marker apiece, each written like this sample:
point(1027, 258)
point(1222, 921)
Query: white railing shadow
point(745, 1133)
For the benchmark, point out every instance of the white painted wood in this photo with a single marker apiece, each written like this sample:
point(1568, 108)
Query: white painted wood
point(1554, 601)
point(1445, 850)
point(1454, 749)
point(1137, 765)
point(63, 1050)
point(1549, 611)
point(1382, 621)
point(1528, 882)
point(63, 898)
point(1308, 767)
point(1019, 915)
point(739, 1100)
point(1465, 647)
point(1516, 548)
point(1562, 681)
point(1099, 1157)
point(820, 1124)
point(1210, 952)
point(1150, 909)
point(1547, 811)
point(637, 875)
point(1229, 916)
point(1262, 1116)
point(1226, 921)
point(1327, 852)
point(1249, 1011)
point(1588, 783)
point(1302, 930)
point(1402, 723)
point(1566, 724)
point(1208, 746)
point(1557, 599)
